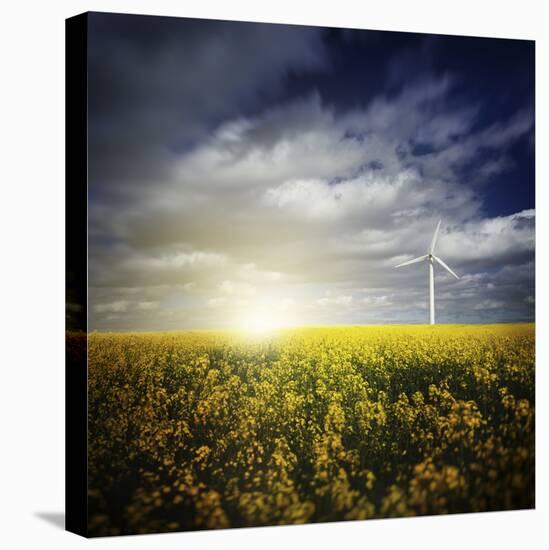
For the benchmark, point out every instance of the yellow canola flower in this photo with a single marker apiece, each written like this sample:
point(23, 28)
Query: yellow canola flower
point(212, 429)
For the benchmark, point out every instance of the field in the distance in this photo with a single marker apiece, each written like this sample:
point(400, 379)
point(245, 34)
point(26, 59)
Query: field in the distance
point(195, 430)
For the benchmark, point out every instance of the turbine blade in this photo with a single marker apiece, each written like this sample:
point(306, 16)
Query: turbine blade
point(415, 260)
point(445, 266)
point(434, 241)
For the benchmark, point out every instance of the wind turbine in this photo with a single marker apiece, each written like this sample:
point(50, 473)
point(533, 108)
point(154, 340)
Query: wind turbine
point(430, 257)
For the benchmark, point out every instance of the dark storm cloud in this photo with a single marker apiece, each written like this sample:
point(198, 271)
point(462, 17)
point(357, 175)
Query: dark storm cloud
point(231, 168)
point(158, 85)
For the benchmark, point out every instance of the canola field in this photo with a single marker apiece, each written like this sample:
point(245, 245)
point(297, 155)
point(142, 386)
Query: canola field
point(198, 430)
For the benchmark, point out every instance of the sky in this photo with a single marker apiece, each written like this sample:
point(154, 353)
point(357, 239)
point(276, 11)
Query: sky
point(253, 175)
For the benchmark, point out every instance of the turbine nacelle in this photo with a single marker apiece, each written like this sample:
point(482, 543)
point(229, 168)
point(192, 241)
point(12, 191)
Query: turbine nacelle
point(431, 258)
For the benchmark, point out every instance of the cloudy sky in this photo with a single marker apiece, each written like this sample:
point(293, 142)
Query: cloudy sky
point(250, 175)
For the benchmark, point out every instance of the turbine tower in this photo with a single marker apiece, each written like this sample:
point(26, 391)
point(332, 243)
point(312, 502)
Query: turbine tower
point(431, 258)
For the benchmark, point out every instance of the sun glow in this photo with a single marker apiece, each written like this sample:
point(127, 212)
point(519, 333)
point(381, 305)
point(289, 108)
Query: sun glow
point(259, 324)
point(266, 317)
point(261, 321)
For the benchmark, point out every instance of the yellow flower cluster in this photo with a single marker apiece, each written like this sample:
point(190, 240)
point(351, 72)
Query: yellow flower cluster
point(200, 430)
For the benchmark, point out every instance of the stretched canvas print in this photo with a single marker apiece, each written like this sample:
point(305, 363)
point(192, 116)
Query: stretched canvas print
point(300, 274)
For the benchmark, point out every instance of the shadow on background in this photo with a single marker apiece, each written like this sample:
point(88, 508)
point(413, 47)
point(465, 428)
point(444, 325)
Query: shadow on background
point(57, 519)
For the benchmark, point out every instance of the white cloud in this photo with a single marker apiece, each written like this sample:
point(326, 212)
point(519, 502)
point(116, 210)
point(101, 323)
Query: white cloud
point(300, 199)
point(116, 306)
point(491, 238)
point(285, 304)
point(343, 300)
point(489, 304)
point(250, 273)
point(216, 302)
point(147, 306)
point(194, 259)
point(378, 301)
point(238, 288)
